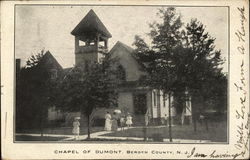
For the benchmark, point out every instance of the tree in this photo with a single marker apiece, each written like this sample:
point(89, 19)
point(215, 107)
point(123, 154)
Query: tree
point(204, 70)
point(89, 87)
point(33, 94)
point(158, 60)
point(166, 38)
point(180, 58)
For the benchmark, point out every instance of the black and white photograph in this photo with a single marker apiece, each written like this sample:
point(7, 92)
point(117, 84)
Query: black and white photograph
point(121, 74)
point(108, 79)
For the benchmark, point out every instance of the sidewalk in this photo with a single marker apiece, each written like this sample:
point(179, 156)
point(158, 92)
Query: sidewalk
point(38, 135)
point(99, 135)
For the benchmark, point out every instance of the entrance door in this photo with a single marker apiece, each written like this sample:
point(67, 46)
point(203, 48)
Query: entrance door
point(140, 104)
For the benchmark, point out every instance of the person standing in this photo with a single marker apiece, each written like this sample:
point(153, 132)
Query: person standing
point(122, 122)
point(129, 120)
point(147, 118)
point(114, 122)
point(107, 126)
point(76, 128)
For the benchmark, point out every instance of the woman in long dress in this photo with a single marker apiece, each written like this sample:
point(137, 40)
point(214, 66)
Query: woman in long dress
point(107, 122)
point(76, 128)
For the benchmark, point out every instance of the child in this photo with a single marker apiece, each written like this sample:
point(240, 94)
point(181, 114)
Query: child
point(76, 128)
point(122, 122)
point(129, 120)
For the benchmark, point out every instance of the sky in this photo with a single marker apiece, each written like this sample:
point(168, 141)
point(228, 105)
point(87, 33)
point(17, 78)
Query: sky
point(49, 27)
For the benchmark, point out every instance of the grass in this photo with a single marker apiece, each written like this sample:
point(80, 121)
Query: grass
point(217, 132)
point(56, 131)
point(63, 130)
point(38, 138)
point(109, 140)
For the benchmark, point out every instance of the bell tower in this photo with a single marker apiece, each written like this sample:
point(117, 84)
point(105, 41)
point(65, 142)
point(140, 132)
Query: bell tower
point(91, 39)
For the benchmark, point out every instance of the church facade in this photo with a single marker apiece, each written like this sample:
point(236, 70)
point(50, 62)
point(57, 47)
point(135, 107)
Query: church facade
point(91, 42)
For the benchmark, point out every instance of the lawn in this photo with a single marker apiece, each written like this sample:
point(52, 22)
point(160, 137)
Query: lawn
point(56, 131)
point(38, 138)
point(62, 130)
point(217, 132)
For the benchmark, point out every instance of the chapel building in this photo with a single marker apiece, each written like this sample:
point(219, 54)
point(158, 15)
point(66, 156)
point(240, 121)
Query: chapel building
point(91, 42)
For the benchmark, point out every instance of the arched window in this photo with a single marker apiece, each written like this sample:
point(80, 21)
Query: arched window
point(121, 73)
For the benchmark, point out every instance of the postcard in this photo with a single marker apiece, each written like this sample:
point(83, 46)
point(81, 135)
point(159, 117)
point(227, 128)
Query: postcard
point(125, 79)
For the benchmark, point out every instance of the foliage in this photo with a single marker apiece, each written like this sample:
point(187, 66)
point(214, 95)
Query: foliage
point(181, 57)
point(34, 59)
point(158, 59)
point(86, 88)
point(34, 90)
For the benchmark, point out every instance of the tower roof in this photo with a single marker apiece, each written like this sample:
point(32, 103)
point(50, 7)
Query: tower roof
point(91, 23)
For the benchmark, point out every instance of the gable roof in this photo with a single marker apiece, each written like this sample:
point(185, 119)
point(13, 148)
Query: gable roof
point(129, 50)
point(121, 45)
point(49, 59)
point(90, 23)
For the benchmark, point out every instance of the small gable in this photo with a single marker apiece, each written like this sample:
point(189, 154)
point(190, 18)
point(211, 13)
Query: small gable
point(49, 63)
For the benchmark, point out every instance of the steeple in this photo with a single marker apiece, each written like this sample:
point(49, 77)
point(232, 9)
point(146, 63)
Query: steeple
point(91, 39)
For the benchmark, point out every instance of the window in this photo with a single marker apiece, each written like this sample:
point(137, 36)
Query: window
point(53, 74)
point(154, 96)
point(164, 100)
point(140, 103)
point(121, 73)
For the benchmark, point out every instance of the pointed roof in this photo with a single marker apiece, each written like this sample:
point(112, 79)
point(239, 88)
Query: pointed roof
point(91, 23)
point(129, 50)
point(49, 59)
point(122, 45)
